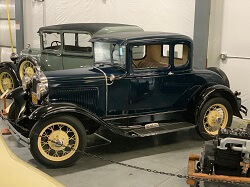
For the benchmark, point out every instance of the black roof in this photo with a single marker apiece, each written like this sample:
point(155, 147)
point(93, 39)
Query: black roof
point(124, 38)
point(88, 27)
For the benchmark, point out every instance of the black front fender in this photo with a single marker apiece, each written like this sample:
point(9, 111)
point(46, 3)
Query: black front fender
point(218, 91)
point(71, 109)
point(12, 67)
point(19, 97)
point(64, 108)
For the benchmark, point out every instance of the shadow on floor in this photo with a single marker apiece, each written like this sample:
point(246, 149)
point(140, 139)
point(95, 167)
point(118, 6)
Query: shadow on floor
point(122, 149)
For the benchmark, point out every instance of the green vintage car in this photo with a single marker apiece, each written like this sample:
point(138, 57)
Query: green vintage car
point(64, 46)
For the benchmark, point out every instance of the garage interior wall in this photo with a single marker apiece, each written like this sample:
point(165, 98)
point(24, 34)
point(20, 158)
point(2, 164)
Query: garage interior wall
point(157, 15)
point(232, 38)
point(5, 44)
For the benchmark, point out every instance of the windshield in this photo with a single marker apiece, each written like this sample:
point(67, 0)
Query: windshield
point(110, 54)
point(51, 41)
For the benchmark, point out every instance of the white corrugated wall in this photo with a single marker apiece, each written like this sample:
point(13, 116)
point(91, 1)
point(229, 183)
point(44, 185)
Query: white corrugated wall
point(230, 35)
point(157, 15)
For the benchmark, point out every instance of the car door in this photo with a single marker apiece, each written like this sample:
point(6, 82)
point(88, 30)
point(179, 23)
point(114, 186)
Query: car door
point(77, 50)
point(183, 81)
point(51, 51)
point(150, 80)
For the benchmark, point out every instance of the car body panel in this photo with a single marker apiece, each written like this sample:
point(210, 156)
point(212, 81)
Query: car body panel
point(14, 171)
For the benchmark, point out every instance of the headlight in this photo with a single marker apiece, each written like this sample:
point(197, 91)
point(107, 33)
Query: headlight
point(26, 82)
point(41, 90)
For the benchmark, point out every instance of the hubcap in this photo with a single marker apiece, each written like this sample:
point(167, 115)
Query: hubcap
point(58, 141)
point(26, 67)
point(6, 82)
point(216, 117)
point(29, 71)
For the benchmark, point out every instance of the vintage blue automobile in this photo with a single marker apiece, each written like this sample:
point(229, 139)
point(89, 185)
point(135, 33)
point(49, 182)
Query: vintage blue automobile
point(141, 84)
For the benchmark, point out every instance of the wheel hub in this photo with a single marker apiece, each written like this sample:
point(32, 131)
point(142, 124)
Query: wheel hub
point(29, 71)
point(214, 118)
point(6, 83)
point(59, 139)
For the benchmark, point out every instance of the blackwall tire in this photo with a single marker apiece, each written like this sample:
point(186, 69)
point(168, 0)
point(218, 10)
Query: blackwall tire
point(8, 80)
point(210, 118)
point(26, 66)
point(222, 74)
point(66, 130)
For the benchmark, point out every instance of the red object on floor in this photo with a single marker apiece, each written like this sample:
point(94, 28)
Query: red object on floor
point(5, 131)
point(4, 106)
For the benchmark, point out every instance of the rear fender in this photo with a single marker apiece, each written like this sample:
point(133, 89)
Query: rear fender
point(12, 67)
point(220, 91)
point(211, 92)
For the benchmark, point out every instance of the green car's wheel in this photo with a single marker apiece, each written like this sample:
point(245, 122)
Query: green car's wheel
point(26, 66)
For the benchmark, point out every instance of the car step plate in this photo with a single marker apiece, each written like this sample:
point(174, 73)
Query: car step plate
point(163, 128)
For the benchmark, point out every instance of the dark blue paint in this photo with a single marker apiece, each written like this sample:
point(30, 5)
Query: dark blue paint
point(135, 97)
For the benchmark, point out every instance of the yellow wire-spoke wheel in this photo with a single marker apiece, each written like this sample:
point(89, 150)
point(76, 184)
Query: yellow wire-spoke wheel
point(6, 81)
point(26, 67)
point(58, 141)
point(215, 117)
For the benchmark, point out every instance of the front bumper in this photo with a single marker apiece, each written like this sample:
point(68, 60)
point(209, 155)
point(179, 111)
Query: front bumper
point(244, 110)
point(18, 136)
point(241, 107)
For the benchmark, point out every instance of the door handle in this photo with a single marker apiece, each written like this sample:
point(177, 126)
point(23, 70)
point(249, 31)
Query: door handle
point(170, 73)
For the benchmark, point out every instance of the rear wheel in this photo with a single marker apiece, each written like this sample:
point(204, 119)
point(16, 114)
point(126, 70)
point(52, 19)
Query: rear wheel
point(8, 80)
point(57, 141)
point(216, 114)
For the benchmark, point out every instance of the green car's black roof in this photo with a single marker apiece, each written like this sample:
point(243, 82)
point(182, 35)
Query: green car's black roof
point(124, 38)
point(88, 27)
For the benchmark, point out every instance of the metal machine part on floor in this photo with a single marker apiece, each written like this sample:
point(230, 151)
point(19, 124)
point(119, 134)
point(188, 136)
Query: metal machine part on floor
point(228, 155)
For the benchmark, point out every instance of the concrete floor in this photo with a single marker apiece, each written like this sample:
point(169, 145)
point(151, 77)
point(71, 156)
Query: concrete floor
point(167, 153)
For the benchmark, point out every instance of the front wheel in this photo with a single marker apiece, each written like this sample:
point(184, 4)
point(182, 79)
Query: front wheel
point(26, 66)
point(216, 114)
point(58, 141)
point(8, 80)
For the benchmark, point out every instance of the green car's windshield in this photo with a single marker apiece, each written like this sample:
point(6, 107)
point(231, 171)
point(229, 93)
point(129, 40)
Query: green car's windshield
point(109, 54)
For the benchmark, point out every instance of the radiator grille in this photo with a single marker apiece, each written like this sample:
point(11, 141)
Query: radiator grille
point(86, 97)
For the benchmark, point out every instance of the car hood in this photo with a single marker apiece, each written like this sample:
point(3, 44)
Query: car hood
point(81, 73)
point(31, 52)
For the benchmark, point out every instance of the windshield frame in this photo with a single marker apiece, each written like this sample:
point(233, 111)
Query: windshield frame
point(111, 62)
point(43, 49)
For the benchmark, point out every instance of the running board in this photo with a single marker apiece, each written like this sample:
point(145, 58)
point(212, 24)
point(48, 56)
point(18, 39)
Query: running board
point(159, 129)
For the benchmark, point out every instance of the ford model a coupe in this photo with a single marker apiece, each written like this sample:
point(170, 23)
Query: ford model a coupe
point(141, 84)
point(63, 46)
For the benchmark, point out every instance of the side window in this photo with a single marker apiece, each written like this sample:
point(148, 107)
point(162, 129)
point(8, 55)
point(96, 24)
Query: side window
point(77, 43)
point(51, 41)
point(180, 55)
point(150, 56)
point(139, 52)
